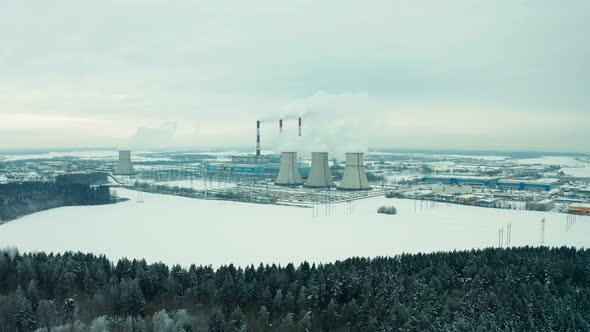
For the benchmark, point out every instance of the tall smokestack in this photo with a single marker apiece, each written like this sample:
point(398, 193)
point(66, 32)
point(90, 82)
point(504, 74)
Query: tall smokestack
point(281, 126)
point(258, 138)
point(299, 126)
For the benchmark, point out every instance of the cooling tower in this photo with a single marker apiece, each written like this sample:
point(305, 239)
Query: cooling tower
point(124, 165)
point(320, 175)
point(354, 177)
point(289, 172)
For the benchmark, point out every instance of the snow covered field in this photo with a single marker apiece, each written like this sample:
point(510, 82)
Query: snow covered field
point(86, 154)
point(198, 184)
point(570, 166)
point(182, 230)
point(78, 154)
point(582, 171)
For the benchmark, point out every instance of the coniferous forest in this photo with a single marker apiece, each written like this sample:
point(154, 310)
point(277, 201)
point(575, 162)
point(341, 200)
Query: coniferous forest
point(19, 199)
point(520, 289)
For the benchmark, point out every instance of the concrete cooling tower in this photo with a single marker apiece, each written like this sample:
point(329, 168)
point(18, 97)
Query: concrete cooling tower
point(124, 166)
point(354, 177)
point(320, 175)
point(289, 172)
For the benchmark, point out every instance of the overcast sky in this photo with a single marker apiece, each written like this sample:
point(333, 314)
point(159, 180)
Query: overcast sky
point(501, 75)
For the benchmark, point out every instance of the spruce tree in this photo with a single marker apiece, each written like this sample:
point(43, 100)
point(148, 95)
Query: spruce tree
point(217, 322)
point(25, 320)
point(263, 320)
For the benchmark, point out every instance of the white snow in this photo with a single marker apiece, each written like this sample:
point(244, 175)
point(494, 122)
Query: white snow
point(571, 166)
point(198, 184)
point(549, 160)
point(79, 154)
point(86, 154)
point(441, 156)
point(580, 172)
point(184, 231)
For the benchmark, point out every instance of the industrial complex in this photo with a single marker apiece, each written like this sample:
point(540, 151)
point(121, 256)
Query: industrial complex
point(322, 177)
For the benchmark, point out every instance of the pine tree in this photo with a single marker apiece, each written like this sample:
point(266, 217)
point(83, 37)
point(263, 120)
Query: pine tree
point(47, 314)
point(287, 324)
point(304, 323)
point(277, 304)
point(25, 320)
point(263, 321)
point(290, 302)
point(88, 283)
point(161, 322)
point(183, 320)
point(237, 321)
point(302, 304)
point(69, 310)
point(135, 300)
point(217, 322)
point(33, 294)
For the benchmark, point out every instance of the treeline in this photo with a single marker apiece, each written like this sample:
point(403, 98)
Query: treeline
point(22, 198)
point(90, 178)
point(524, 289)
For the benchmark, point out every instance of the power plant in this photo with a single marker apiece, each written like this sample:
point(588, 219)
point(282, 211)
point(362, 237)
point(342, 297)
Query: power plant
point(287, 178)
point(320, 175)
point(289, 172)
point(355, 177)
point(124, 166)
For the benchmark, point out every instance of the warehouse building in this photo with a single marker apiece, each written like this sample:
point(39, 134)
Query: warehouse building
point(451, 190)
point(535, 185)
point(579, 208)
point(544, 205)
point(462, 180)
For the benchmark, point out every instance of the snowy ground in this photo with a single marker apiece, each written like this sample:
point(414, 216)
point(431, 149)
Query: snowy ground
point(182, 230)
point(581, 172)
point(570, 165)
point(86, 154)
point(78, 154)
point(548, 160)
point(198, 184)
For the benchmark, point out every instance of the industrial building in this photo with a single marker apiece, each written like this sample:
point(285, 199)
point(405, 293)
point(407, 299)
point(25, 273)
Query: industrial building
point(355, 177)
point(451, 190)
point(462, 180)
point(488, 202)
point(579, 208)
point(467, 198)
point(536, 185)
point(543, 205)
point(124, 166)
point(289, 172)
point(320, 175)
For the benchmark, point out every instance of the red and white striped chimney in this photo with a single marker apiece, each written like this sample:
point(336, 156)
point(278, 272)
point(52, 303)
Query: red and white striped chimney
point(299, 126)
point(258, 138)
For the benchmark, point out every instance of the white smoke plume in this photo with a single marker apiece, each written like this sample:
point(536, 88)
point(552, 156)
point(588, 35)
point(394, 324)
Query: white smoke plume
point(330, 123)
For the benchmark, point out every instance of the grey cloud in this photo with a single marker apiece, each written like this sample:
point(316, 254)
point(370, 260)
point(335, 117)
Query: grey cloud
point(228, 63)
point(157, 137)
